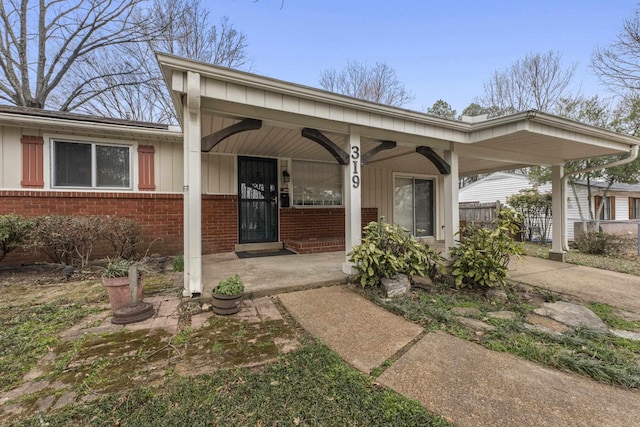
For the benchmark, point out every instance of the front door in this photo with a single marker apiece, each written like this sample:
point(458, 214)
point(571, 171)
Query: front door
point(258, 200)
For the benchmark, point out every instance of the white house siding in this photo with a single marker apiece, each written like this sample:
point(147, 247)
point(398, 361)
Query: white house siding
point(497, 186)
point(377, 190)
point(10, 155)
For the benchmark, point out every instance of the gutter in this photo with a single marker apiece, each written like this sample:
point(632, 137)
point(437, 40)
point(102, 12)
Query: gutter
point(633, 154)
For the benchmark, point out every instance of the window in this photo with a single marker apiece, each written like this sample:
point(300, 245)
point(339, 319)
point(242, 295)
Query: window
point(316, 184)
point(413, 205)
point(634, 208)
point(93, 165)
point(608, 211)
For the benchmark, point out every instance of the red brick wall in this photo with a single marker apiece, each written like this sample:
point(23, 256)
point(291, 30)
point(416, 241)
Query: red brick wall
point(219, 223)
point(159, 215)
point(318, 223)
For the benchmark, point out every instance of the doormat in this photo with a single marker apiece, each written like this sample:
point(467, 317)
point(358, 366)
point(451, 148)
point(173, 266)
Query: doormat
point(265, 253)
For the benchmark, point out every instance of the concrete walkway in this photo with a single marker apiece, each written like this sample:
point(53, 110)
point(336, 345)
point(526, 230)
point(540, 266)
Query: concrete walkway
point(586, 283)
point(460, 380)
point(463, 381)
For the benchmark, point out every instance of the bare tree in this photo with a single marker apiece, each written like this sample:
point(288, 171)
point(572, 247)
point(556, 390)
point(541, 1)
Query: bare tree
point(377, 83)
point(184, 29)
point(618, 66)
point(536, 82)
point(43, 44)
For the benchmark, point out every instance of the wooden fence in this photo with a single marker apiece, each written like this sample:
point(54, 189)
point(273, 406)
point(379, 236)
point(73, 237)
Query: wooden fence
point(478, 213)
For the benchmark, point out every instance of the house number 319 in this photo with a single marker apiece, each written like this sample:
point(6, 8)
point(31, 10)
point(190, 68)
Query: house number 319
point(355, 174)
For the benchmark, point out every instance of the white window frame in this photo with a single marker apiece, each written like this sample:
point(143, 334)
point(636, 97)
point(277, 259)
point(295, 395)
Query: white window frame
point(50, 154)
point(293, 180)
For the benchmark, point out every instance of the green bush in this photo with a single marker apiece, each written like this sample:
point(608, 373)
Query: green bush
point(482, 256)
point(230, 286)
point(178, 264)
point(13, 232)
point(387, 250)
point(600, 243)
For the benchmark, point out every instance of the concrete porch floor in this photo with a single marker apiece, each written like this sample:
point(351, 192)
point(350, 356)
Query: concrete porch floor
point(276, 274)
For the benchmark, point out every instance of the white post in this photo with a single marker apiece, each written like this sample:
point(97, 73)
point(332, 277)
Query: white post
point(451, 204)
point(559, 214)
point(192, 189)
point(352, 197)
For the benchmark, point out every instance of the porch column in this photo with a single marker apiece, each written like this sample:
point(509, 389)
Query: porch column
point(352, 200)
point(192, 188)
point(451, 204)
point(559, 214)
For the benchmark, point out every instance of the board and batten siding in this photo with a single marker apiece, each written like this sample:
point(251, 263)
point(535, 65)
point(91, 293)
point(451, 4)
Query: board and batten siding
point(10, 157)
point(377, 191)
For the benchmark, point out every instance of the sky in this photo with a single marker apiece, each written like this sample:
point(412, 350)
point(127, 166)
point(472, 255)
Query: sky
point(439, 49)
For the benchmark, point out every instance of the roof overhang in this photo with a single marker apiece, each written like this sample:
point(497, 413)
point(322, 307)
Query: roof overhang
point(71, 124)
point(529, 138)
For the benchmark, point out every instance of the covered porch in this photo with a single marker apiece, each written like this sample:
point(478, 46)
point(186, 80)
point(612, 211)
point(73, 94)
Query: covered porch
point(240, 129)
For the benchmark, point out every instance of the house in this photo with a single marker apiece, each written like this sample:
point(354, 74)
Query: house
point(263, 161)
point(620, 213)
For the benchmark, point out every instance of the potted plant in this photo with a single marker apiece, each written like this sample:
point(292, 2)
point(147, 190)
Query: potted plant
point(228, 295)
point(115, 276)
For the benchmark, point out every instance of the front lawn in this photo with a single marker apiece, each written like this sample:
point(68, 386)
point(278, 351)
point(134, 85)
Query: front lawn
point(629, 264)
point(309, 387)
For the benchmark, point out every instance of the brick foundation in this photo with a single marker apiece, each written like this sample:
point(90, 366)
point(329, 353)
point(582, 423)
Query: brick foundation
point(161, 219)
point(317, 230)
point(159, 215)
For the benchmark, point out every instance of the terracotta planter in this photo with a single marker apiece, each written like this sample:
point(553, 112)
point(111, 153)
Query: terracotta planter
point(118, 290)
point(227, 304)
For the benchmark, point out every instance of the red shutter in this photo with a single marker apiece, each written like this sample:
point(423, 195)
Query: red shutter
point(612, 200)
point(146, 171)
point(32, 162)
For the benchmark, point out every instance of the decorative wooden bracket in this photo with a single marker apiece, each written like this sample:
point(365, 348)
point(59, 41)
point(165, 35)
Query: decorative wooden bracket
point(439, 162)
point(385, 145)
point(316, 136)
point(210, 141)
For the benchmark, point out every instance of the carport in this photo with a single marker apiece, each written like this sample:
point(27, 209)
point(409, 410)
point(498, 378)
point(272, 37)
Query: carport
point(237, 114)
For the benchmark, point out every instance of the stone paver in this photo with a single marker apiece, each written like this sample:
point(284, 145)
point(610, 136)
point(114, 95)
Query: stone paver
point(572, 315)
point(473, 386)
point(364, 334)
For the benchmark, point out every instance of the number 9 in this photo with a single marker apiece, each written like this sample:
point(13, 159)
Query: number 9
point(356, 181)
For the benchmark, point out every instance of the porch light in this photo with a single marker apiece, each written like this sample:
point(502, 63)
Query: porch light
point(286, 177)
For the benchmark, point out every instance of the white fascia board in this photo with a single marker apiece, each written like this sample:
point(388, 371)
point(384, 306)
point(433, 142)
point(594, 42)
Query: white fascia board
point(485, 153)
point(54, 124)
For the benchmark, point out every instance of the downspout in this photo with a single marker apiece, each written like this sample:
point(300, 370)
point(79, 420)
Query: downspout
point(565, 179)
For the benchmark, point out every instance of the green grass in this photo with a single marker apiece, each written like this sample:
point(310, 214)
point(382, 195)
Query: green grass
point(622, 264)
point(29, 331)
point(602, 357)
point(309, 387)
point(612, 320)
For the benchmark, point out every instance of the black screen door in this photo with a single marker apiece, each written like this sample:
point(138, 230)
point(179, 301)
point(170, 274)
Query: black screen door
point(258, 200)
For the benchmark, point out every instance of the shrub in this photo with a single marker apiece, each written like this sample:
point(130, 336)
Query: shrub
point(124, 235)
point(178, 263)
point(69, 239)
point(482, 256)
point(13, 232)
point(65, 238)
point(600, 243)
point(387, 250)
point(536, 213)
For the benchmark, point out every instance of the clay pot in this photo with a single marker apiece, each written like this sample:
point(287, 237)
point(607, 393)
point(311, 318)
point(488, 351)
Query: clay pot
point(119, 292)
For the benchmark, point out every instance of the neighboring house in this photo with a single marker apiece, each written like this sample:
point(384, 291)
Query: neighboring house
point(622, 204)
point(261, 161)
